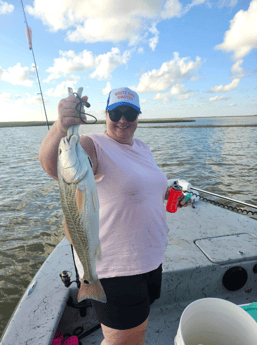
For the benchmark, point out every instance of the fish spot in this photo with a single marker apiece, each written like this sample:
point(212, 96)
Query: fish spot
point(86, 281)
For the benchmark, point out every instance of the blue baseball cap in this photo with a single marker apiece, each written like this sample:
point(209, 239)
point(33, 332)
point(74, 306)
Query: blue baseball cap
point(123, 96)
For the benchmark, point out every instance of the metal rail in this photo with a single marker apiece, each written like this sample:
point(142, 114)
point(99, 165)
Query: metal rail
point(224, 197)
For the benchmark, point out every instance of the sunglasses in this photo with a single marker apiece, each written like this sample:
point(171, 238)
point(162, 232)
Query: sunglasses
point(130, 115)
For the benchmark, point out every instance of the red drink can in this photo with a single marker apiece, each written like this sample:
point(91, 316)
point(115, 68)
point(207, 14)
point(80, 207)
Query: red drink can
point(175, 194)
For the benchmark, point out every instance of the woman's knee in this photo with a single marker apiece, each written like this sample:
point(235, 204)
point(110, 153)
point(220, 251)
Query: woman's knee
point(133, 336)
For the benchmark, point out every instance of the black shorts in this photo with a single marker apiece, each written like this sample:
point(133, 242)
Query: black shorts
point(128, 299)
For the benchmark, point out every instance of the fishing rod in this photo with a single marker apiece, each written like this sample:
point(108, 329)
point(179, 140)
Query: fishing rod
point(29, 37)
point(224, 197)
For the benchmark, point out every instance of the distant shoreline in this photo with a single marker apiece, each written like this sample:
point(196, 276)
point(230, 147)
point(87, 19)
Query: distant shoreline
point(43, 123)
point(141, 121)
point(199, 126)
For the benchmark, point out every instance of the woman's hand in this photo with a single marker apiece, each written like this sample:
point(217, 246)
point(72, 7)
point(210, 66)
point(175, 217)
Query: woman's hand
point(167, 193)
point(67, 113)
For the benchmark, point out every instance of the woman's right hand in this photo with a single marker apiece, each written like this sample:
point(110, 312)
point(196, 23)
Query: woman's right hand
point(67, 113)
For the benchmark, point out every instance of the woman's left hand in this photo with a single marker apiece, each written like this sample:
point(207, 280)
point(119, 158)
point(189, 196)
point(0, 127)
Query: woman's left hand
point(167, 193)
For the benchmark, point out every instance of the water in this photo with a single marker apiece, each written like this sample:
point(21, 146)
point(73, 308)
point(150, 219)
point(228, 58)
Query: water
point(221, 160)
point(204, 121)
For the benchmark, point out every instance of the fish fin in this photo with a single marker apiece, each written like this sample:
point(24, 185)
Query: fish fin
point(98, 178)
point(79, 200)
point(93, 291)
point(98, 253)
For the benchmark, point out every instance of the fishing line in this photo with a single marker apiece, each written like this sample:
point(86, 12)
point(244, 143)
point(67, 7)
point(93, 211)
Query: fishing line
point(80, 112)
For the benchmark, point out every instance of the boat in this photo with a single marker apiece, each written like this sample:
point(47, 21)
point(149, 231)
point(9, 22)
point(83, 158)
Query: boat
point(212, 253)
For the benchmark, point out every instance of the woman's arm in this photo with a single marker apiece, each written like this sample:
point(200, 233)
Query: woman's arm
point(67, 116)
point(48, 152)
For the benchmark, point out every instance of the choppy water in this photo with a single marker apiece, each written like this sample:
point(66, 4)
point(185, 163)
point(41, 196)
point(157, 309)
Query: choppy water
point(221, 160)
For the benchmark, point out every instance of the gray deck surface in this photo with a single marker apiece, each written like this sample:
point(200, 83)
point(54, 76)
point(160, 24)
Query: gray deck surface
point(162, 327)
point(188, 273)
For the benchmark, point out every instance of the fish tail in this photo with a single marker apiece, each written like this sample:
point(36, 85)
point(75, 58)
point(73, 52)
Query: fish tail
point(93, 291)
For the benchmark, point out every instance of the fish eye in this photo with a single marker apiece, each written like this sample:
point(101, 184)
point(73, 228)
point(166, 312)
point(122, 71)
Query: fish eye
point(60, 151)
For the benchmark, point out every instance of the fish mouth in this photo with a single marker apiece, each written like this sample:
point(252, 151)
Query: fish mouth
point(68, 143)
point(73, 139)
point(67, 152)
point(71, 160)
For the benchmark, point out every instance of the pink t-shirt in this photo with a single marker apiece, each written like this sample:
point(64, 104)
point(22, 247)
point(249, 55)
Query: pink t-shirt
point(133, 229)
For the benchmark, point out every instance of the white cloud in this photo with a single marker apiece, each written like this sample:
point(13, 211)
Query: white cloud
point(5, 7)
point(180, 90)
point(170, 73)
point(165, 97)
point(183, 97)
point(31, 100)
point(154, 40)
point(106, 63)
point(172, 8)
point(5, 96)
point(236, 70)
point(112, 20)
point(195, 78)
point(113, 29)
point(18, 75)
point(22, 107)
point(225, 88)
point(227, 3)
point(241, 38)
point(194, 3)
point(107, 89)
point(105, 21)
point(218, 98)
point(176, 90)
point(61, 89)
point(25, 109)
point(70, 62)
point(56, 16)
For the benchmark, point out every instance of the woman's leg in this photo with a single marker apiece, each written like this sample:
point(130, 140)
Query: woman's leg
point(133, 336)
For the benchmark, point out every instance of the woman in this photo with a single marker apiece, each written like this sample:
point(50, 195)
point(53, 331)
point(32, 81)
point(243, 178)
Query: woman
point(133, 229)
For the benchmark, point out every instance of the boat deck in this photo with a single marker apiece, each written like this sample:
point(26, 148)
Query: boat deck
point(204, 242)
point(188, 273)
point(162, 326)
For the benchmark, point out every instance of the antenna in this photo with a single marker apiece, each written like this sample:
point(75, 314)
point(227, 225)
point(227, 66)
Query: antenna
point(29, 37)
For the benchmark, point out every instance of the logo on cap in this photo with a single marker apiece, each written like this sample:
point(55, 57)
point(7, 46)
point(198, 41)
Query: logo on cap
point(123, 96)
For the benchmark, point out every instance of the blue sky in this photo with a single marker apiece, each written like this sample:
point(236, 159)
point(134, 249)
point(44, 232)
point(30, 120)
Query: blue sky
point(185, 58)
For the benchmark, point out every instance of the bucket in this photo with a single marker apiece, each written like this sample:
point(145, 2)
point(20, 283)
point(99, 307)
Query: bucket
point(214, 321)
